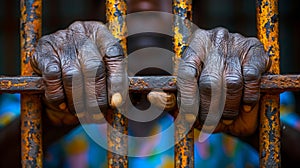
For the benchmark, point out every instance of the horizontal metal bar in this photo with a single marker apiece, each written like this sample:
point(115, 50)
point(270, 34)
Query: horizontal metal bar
point(269, 83)
point(21, 84)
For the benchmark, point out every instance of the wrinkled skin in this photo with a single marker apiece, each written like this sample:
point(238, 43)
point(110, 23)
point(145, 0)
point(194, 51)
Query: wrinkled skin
point(217, 61)
point(213, 57)
point(88, 53)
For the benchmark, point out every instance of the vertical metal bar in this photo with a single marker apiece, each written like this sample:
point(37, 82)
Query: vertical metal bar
point(184, 149)
point(183, 11)
point(267, 26)
point(115, 14)
point(31, 128)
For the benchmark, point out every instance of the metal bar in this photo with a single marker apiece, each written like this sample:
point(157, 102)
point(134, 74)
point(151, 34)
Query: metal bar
point(267, 26)
point(31, 126)
point(22, 84)
point(184, 134)
point(31, 84)
point(116, 11)
point(182, 9)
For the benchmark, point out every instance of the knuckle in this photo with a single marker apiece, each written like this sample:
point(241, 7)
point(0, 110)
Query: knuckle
point(199, 35)
point(250, 98)
point(52, 68)
point(53, 95)
point(233, 81)
point(70, 74)
point(253, 41)
point(250, 73)
point(209, 82)
point(186, 72)
point(114, 50)
point(220, 34)
point(77, 26)
point(188, 53)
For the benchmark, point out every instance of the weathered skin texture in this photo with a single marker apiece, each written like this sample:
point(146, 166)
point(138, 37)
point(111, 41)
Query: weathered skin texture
point(77, 52)
point(213, 57)
point(225, 60)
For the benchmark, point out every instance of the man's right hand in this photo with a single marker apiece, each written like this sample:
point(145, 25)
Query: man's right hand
point(84, 56)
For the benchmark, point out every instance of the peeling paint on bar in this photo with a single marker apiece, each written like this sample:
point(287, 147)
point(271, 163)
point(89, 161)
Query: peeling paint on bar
point(269, 133)
point(181, 28)
point(116, 11)
point(184, 149)
point(31, 122)
point(273, 84)
point(22, 84)
point(267, 26)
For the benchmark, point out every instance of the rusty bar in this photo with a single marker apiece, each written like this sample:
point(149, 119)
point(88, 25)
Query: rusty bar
point(28, 84)
point(31, 126)
point(182, 9)
point(116, 11)
point(184, 137)
point(267, 26)
point(22, 84)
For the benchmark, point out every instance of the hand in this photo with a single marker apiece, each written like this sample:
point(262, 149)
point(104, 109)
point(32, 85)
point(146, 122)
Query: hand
point(82, 67)
point(226, 68)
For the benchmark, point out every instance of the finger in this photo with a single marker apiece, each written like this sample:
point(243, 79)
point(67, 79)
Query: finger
point(58, 118)
point(234, 87)
point(93, 72)
point(46, 61)
point(245, 125)
point(116, 72)
point(161, 99)
point(111, 52)
point(211, 82)
point(70, 69)
point(189, 70)
point(254, 64)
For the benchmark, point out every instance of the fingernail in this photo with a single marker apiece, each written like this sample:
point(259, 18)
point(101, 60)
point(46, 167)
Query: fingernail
point(62, 106)
point(80, 115)
point(116, 100)
point(191, 118)
point(98, 116)
point(247, 108)
point(227, 122)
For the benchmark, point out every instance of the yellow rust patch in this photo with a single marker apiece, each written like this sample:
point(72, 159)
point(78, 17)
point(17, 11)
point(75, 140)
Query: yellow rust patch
point(9, 84)
point(269, 133)
point(116, 11)
point(183, 10)
point(31, 126)
point(178, 42)
point(267, 27)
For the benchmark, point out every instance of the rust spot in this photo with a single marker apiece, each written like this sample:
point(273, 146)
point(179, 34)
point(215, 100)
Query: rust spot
point(116, 11)
point(31, 131)
point(184, 149)
point(267, 26)
point(269, 133)
point(181, 28)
